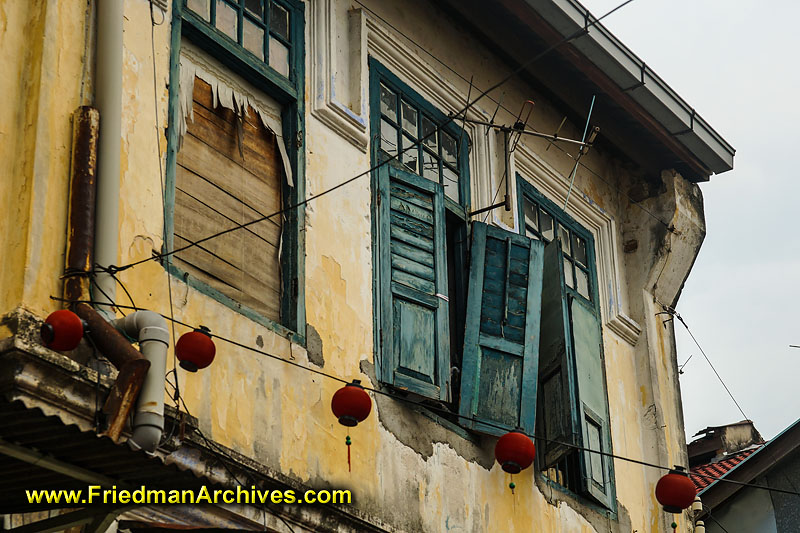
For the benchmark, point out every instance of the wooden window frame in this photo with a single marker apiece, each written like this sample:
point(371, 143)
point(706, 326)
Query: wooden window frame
point(289, 92)
point(455, 211)
point(525, 190)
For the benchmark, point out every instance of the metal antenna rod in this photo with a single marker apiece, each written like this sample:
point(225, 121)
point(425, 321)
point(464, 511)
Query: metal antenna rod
point(580, 154)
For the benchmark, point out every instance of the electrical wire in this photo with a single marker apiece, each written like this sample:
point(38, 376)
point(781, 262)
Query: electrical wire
point(672, 312)
point(373, 168)
point(446, 412)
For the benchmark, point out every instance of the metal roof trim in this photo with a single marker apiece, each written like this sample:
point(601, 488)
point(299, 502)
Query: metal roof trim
point(625, 69)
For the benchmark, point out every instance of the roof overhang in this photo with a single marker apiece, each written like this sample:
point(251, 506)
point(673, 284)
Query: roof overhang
point(638, 112)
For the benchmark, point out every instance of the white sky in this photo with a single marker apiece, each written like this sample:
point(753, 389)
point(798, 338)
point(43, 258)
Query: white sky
point(736, 63)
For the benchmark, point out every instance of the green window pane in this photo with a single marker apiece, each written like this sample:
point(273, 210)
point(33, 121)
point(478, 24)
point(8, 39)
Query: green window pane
point(429, 133)
point(228, 20)
point(409, 118)
point(582, 282)
point(579, 249)
point(279, 21)
point(563, 235)
point(449, 149)
point(388, 103)
point(430, 166)
point(568, 277)
point(279, 56)
point(410, 154)
point(388, 138)
point(450, 179)
point(546, 222)
point(256, 7)
point(595, 459)
point(201, 7)
point(253, 38)
point(531, 218)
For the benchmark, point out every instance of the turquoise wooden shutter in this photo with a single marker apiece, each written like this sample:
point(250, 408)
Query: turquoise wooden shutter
point(573, 404)
point(556, 397)
point(415, 349)
point(501, 339)
point(587, 343)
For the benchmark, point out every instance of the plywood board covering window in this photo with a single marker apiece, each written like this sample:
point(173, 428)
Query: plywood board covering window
point(229, 171)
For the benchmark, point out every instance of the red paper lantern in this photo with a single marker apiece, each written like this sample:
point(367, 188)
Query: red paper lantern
point(351, 404)
point(62, 330)
point(195, 349)
point(675, 491)
point(514, 451)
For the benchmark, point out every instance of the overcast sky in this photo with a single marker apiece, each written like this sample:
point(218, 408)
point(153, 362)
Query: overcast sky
point(736, 63)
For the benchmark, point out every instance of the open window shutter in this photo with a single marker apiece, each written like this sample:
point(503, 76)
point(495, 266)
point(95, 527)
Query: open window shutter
point(415, 350)
point(501, 340)
point(556, 402)
point(587, 343)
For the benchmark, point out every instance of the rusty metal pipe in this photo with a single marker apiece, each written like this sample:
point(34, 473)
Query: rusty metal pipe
point(133, 368)
point(83, 187)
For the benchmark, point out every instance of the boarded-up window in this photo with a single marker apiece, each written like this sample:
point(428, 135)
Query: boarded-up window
point(229, 171)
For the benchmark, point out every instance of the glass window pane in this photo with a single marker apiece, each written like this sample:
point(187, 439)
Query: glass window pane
point(595, 459)
point(430, 166)
point(279, 56)
point(256, 7)
point(409, 118)
point(568, 279)
point(449, 149)
point(429, 133)
point(388, 138)
point(201, 7)
point(582, 283)
point(579, 249)
point(546, 222)
point(563, 235)
point(279, 21)
point(228, 20)
point(253, 38)
point(388, 102)
point(410, 154)
point(531, 219)
point(451, 184)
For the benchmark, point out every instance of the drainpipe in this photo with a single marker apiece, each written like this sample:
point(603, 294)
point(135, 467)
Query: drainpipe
point(150, 330)
point(108, 97)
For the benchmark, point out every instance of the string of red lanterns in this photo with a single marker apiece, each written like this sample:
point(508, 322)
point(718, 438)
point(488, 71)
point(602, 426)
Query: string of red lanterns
point(675, 491)
point(63, 330)
point(350, 405)
point(195, 349)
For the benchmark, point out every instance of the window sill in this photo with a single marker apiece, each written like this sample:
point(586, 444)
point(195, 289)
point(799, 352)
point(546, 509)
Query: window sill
point(243, 310)
point(574, 500)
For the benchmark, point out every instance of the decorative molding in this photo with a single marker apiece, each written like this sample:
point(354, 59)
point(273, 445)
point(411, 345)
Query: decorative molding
point(627, 328)
point(603, 228)
point(351, 125)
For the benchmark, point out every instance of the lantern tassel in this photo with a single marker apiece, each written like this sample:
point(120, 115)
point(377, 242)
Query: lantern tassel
point(348, 442)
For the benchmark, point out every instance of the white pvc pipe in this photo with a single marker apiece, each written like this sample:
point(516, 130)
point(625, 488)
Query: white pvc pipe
point(150, 329)
point(108, 96)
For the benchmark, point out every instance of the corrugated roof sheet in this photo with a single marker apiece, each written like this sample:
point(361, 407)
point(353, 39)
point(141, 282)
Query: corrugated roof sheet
point(32, 429)
point(718, 469)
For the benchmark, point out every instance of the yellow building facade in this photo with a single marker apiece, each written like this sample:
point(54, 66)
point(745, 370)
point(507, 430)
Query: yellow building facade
point(318, 87)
